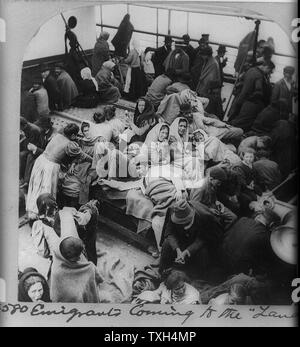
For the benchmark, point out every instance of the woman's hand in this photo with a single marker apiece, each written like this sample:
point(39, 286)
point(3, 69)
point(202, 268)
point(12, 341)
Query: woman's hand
point(31, 147)
point(180, 257)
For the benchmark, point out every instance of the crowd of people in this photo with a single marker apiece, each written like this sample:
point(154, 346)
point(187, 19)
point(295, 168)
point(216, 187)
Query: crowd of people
point(204, 176)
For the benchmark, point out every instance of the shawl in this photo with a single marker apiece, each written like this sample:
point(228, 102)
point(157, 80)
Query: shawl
point(177, 60)
point(23, 293)
point(86, 74)
point(153, 134)
point(67, 88)
point(180, 143)
point(74, 281)
point(210, 72)
point(141, 118)
point(169, 107)
point(123, 36)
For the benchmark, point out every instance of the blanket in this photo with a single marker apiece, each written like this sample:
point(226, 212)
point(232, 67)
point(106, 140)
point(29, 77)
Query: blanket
point(145, 279)
point(118, 279)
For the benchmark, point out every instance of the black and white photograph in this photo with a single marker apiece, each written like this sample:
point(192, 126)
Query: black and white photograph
point(150, 154)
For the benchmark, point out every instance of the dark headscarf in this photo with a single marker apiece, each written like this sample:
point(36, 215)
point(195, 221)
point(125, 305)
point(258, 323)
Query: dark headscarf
point(29, 277)
point(148, 113)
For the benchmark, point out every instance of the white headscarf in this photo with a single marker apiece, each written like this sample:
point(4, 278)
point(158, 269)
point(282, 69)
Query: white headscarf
point(86, 74)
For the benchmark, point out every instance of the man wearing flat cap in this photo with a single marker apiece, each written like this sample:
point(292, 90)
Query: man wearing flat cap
point(221, 60)
point(285, 88)
point(189, 235)
point(50, 84)
point(160, 56)
point(189, 49)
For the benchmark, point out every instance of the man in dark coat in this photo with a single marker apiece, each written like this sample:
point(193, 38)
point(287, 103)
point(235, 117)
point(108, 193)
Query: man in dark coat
point(253, 97)
point(247, 244)
point(66, 85)
point(30, 135)
point(160, 56)
point(101, 52)
point(123, 36)
point(189, 49)
point(189, 234)
point(285, 89)
point(50, 84)
point(222, 62)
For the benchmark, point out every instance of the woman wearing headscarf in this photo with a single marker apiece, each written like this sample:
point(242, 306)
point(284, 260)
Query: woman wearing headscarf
point(88, 87)
point(135, 84)
point(144, 119)
point(156, 144)
point(108, 86)
point(123, 36)
point(33, 287)
point(101, 52)
point(45, 173)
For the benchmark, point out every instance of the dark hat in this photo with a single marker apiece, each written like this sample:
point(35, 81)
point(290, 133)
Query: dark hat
point(222, 48)
point(186, 107)
point(205, 37)
point(289, 69)
point(44, 67)
point(182, 212)
point(60, 65)
point(186, 37)
point(218, 173)
point(168, 39)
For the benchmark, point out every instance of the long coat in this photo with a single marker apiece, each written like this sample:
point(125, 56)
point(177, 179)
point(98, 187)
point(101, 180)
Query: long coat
point(123, 36)
point(101, 54)
point(50, 84)
point(68, 89)
point(158, 59)
point(281, 91)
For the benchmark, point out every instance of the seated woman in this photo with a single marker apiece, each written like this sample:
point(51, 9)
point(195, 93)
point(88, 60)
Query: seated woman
point(156, 147)
point(249, 189)
point(174, 290)
point(211, 148)
point(181, 149)
point(88, 90)
point(169, 107)
point(61, 150)
point(109, 87)
point(33, 287)
point(76, 183)
point(143, 120)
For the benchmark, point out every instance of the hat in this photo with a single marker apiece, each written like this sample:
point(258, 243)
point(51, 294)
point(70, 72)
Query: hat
point(186, 108)
point(182, 212)
point(186, 37)
point(222, 48)
point(168, 39)
point(284, 243)
point(44, 67)
point(218, 173)
point(205, 37)
point(289, 69)
point(60, 65)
